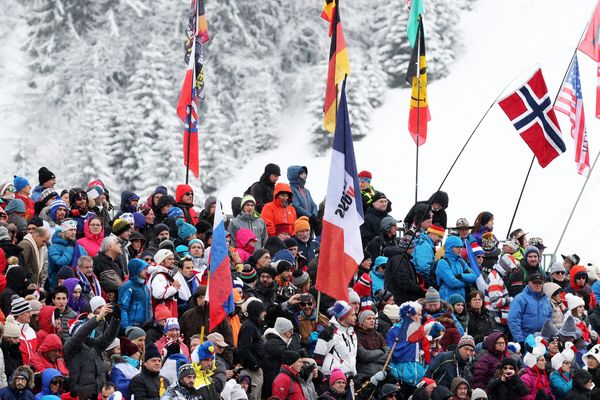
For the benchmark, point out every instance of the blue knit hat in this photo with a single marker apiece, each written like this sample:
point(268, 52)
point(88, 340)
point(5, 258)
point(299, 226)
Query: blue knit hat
point(456, 298)
point(184, 230)
point(286, 255)
point(174, 212)
point(182, 251)
point(171, 323)
point(531, 249)
point(339, 309)
point(19, 183)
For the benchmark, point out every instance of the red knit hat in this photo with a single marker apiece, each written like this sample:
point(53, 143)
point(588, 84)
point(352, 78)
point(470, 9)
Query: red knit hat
point(162, 312)
point(365, 174)
point(283, 228)
point(363, 285)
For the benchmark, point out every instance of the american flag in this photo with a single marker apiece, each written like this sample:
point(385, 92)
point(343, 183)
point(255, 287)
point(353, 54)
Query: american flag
point(570, 103)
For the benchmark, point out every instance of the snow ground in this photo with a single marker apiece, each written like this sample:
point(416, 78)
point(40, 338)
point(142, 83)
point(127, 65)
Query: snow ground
point(503, 42)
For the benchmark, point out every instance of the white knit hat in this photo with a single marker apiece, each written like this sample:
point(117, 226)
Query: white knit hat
point(573, 301)
point(283, 325)
point(11, 329)
point(392, 311)
point(116, 342)
point(97, 302)
point(162, 255)
point(557, 361)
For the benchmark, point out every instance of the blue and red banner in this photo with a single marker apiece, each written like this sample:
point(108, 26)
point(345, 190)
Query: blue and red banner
point(220, 288)
point(341, 246)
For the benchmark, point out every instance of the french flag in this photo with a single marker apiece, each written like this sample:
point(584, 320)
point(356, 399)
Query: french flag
point(341, 246)
point(220, 288)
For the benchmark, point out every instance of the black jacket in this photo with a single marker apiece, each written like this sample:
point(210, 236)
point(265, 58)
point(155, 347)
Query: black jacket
point(272, 357)
point(83, 355)
point(12, 357)
point(513, 388)
point(262, 191)
point(379, 243)
point(400, 276)
point(371, 227)
point(439, 217)
point(250, 344)
point(447, 366)
point(146, 385)
point(480, 324)
point(107, 270)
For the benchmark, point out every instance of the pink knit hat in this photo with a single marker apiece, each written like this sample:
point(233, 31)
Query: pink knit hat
point(336, 375)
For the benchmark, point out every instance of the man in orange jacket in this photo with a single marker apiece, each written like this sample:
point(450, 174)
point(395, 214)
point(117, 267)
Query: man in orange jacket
point(279, 211)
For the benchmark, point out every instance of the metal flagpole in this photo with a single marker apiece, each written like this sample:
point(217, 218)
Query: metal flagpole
point(553, 103)
point(575, 205)
point(419, 33)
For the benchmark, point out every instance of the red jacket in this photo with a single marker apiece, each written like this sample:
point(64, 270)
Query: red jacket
point(286, 385)
point(45, 319)
point(29, 205)
point(274, 213)
point(189, 214)
point(40, 363)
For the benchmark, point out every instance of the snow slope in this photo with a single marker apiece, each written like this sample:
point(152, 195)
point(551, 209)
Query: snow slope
point(503, 41)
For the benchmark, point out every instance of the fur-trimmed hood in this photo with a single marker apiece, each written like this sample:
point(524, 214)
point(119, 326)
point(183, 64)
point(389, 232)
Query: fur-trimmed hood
point(27, 372)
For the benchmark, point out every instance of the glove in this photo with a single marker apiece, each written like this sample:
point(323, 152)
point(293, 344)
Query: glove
point(541, 395)
point(326, 334)
point(239, 268)
point(378, 377)
point(458, 276)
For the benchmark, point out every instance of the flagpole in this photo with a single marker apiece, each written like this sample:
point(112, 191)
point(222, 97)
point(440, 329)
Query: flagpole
point(419, 33)
point(553, 103)
point(520, 196)
point(189, 133)
point(575, 206)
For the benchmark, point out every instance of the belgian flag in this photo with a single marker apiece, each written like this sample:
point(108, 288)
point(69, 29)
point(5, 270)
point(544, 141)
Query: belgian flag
point(417, 77)
point(339, 65)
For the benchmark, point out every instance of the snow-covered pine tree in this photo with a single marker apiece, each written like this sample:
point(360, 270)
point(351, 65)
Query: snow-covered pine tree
point(151, 122)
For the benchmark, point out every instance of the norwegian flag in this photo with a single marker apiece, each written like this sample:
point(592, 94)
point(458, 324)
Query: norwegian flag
point(570, 103)
point(530, 110)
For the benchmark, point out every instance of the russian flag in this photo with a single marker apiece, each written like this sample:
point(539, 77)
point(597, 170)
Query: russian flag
point(220, 289)
point(341, 246)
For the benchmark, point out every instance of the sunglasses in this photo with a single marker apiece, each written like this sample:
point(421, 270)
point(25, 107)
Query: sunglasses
point(57, 381)
point(559, 273)
point(148, 259)
point(188, 194)
point(479, 257)
point(305, 304)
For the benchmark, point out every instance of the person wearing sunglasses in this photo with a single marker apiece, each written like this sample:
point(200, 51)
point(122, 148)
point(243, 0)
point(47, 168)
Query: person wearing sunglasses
point(52, 382)
point(558, 274)
point(184, 197)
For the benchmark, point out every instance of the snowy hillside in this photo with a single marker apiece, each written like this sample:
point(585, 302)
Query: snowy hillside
point(502, 40)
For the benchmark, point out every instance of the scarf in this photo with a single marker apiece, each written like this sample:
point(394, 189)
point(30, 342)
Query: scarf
point(96, 290)
point(539, 374)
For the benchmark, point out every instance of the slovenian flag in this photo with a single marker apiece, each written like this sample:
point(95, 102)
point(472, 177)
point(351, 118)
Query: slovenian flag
point(220, 288)
point(341, 246)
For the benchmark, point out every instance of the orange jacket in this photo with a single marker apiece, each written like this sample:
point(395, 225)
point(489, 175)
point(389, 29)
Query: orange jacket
point(275, 213)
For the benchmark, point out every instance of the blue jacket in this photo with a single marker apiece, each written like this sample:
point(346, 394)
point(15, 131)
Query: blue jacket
point(449, 267)
point(596, 290)
point(47, 376)
point(376, 281)
point(60, 254)
point(424, 255)
point(8, 393)
point(528, 312)
point(301, 200)
point(559, 386)
point(134, 297)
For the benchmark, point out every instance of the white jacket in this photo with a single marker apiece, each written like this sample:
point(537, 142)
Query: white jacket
point(160, 287)
point(340, 351)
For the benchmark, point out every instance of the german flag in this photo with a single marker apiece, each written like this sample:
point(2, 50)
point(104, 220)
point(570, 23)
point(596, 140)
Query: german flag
point(339, 65)
point(417, 77)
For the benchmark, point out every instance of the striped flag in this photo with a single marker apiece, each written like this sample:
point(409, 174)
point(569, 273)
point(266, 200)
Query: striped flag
point(339, 64)
point(570, 103)
point(220, 288)
point(416, 75)
point(341, 246)
point(480, 282)
point(415, 10)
